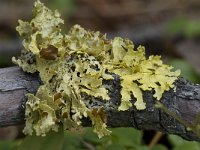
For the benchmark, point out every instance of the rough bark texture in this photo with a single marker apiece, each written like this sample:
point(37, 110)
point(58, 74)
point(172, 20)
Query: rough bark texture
point(185, 102)
point(14, 84)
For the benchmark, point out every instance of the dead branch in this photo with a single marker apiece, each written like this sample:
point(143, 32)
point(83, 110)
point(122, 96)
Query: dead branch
point(185, 102)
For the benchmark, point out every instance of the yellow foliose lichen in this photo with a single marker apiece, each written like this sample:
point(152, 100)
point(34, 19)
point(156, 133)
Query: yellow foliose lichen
point(76, 64)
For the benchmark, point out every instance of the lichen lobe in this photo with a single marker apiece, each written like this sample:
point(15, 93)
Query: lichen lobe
point(73, 64)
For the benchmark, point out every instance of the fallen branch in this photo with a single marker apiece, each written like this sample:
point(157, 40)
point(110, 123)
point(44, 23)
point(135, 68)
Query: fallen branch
point(185, 102)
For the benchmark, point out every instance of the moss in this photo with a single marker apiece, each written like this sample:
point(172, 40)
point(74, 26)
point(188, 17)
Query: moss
point(77, 63)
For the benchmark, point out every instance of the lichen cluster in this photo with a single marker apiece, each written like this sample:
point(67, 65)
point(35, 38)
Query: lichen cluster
point(76, 63)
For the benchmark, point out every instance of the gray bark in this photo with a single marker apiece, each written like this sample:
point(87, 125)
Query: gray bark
point(185, 102)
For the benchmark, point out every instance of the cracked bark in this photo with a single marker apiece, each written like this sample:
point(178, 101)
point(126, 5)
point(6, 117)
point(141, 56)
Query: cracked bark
point(185, 102)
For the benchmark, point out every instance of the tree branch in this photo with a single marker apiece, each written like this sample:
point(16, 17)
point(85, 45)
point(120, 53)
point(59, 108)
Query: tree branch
point(184, 102)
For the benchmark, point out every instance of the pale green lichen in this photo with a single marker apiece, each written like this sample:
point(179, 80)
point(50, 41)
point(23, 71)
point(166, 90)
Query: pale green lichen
point(76, 64)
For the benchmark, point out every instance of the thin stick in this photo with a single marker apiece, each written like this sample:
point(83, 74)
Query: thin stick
point(155, 139)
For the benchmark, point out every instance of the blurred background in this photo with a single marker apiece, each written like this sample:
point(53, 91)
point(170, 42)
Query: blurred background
point(169, 28)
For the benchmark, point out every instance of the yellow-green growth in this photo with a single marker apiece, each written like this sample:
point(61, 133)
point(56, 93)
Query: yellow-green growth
point(75, 64)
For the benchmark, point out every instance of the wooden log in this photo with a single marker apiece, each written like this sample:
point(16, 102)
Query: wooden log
point(184, 102)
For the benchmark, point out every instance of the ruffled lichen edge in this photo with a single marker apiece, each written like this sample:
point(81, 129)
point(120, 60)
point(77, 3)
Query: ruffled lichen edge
point(75, 64)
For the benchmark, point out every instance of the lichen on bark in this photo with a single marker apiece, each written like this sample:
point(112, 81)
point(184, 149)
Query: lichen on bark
point(73, 64)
